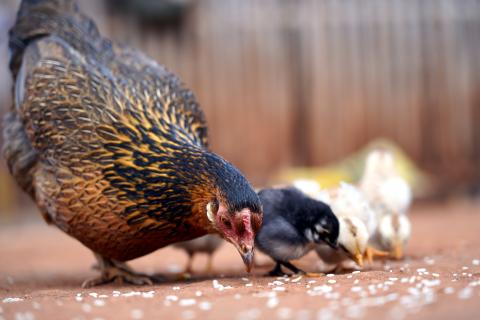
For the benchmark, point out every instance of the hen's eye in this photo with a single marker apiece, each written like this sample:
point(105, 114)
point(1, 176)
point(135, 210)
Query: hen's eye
point(215, 205)
point(256, 222)
point(226, 223)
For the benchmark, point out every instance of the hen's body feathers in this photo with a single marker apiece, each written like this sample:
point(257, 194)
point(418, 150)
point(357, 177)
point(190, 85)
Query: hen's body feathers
point(111, 145)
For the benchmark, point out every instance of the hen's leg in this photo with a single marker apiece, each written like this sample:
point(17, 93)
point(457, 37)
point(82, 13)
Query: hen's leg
point(209, 269)
point(116, 271)
point(189, 266)
point(187, 273)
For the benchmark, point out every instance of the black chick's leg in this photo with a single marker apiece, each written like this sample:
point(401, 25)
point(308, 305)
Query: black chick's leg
point(276, 271)
point(116, 271)
point(300, 271)
point(292, 267)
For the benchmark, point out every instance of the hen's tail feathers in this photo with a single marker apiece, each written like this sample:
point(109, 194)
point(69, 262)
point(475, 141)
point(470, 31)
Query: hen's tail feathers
point(61, 18)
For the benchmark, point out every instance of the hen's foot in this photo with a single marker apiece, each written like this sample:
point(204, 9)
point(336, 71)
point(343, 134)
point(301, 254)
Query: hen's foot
point(183, 276)
point(187, 273)
point(117, 275)
point(118, 272)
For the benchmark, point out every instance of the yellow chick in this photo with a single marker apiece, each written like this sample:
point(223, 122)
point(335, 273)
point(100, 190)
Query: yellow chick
point(390, 197)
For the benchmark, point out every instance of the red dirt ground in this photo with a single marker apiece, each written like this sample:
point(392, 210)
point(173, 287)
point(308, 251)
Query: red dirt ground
point(41, 271)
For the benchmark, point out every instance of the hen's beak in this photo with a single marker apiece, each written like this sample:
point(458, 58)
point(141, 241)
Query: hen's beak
point(247, 256)
point(397, 251)
point(248, 260)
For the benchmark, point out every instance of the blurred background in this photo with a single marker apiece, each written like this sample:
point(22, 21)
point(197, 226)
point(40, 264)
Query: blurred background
point(288, 84)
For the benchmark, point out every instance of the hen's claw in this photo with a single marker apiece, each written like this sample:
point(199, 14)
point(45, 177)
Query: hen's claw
point(119, 272)
point(115, 274)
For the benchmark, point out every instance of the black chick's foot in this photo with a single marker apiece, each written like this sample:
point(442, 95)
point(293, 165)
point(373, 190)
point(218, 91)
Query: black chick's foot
point(276, 271)
point(300, 271)
point(294, 269)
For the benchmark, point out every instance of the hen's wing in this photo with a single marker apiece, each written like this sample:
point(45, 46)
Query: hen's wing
point(152, 87)
point(94, 111)
point(88, 128)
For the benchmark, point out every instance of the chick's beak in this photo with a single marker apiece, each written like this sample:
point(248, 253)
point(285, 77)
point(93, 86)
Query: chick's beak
point(358, 258)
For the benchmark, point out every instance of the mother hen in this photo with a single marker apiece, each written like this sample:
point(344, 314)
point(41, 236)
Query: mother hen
point(113, 148)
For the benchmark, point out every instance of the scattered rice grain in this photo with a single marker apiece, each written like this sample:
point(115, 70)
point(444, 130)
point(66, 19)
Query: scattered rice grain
point(205, 305)
point(187, 302)
point(136, 314)
point(99, 303)
point(10, 300)
point(86, 308)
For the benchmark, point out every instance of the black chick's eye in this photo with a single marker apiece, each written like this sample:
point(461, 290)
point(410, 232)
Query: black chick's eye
point(322, 228)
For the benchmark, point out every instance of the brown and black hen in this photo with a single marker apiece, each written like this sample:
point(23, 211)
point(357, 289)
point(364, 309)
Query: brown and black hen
point(112, 147)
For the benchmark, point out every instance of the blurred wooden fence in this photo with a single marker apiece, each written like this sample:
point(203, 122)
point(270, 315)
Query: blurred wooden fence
point(307, 82)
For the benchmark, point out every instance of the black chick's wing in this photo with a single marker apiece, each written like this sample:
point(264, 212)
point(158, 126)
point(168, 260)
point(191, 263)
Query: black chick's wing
point(280, 240)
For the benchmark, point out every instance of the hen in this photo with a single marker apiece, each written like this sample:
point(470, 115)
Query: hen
point(113, 148)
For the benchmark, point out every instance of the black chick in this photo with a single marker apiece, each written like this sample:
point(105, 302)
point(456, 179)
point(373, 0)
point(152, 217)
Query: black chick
point(293, 224)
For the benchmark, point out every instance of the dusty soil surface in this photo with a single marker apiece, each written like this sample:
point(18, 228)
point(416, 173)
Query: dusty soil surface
point(41, 271)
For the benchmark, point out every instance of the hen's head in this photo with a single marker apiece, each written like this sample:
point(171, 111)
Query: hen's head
point(233, 208)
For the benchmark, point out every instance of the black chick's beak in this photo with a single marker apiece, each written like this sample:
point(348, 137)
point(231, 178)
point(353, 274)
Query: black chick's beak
point(247, 256)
